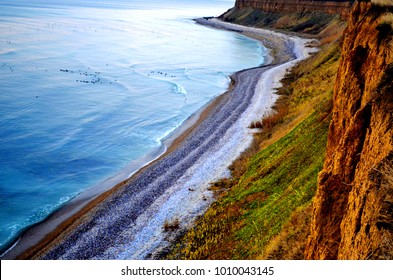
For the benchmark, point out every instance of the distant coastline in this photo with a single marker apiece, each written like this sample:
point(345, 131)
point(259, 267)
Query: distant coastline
point(49, 238)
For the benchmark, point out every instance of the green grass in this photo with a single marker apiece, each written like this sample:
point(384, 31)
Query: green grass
point(286, 173)
point(278, 180)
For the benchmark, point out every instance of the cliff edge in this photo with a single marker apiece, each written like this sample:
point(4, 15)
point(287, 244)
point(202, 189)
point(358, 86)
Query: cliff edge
point(353, 207)
point(342, 7)
point(304, 16)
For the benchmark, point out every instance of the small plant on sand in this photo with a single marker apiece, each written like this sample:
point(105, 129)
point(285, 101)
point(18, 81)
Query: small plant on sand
point(171, 226)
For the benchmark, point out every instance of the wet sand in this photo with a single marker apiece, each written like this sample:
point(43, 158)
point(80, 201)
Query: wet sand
point(127, 221)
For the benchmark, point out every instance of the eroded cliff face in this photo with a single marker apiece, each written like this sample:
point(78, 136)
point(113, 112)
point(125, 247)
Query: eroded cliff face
point(304, 16)
point(331, 7)
point(353, 207)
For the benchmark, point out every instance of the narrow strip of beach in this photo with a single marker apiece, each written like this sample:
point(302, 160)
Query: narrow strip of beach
point(127, 221)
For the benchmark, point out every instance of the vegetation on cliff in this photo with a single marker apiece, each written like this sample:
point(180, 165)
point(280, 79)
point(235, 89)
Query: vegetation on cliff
point(305, 16)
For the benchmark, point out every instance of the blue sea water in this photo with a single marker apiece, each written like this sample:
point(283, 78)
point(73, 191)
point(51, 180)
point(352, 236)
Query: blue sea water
point(88, 87)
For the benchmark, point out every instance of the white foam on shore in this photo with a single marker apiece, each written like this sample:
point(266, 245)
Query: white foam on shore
point(189, 196)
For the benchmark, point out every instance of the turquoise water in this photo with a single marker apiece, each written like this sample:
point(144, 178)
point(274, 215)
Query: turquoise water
point(88, 87)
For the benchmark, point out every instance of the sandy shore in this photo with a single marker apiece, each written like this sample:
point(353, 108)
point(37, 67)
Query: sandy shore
point(127, 221)
point(279, 46)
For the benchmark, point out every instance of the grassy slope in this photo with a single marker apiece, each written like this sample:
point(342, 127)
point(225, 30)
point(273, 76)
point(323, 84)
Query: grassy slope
point(264, 210)
point(304, 22)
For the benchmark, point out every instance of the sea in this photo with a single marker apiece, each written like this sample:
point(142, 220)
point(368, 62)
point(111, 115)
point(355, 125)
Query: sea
point(91, 88)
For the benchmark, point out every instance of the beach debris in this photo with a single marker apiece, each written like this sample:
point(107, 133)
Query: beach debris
point(171, 226)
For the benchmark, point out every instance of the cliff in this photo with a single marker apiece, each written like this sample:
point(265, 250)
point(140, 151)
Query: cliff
point(353, 207)
point(299, 16)
point(342, 7)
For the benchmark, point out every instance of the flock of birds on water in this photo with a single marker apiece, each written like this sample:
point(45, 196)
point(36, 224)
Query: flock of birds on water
point(88, 77)
point(95, 76)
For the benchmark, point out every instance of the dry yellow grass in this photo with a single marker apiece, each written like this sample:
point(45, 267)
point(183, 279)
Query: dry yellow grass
point(332, 32)
point(290, 243)
point(382, 2)
point(385, 216)
point(387, 19)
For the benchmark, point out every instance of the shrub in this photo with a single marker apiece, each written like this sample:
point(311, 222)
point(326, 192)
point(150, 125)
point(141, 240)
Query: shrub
point(171, 226)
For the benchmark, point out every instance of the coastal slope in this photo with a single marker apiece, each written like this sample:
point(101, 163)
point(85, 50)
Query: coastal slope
point(263, 211)
point(341, 7)
point(304, 16)
point(276, 206)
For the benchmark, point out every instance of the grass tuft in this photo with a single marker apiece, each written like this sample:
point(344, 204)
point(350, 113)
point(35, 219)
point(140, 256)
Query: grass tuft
point(290, 243)
point(383, 3)
point(171, 226)
point(384, 213)
point(387, 19)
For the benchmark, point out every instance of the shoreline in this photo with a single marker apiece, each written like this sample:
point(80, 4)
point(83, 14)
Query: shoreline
point(275, 42)
point(90, 210)
point(37, 235)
